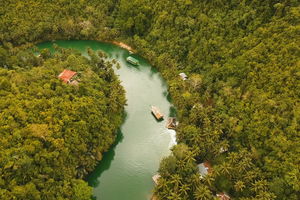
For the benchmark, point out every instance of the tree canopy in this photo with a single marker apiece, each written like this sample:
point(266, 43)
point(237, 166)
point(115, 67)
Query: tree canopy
point(53, 133)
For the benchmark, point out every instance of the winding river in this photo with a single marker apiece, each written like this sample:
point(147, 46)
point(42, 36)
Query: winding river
point(126, 169)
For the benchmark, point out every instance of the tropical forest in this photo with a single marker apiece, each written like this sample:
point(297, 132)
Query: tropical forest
point(232, 70)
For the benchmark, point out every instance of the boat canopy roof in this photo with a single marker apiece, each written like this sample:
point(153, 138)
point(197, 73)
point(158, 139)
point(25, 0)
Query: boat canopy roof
point(132, 60)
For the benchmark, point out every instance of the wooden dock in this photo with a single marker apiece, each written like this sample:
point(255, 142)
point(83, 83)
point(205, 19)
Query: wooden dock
point(171, 124)
point(155, 111)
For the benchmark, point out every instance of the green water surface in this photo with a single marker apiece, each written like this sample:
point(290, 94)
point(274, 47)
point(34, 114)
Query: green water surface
point(126, 169)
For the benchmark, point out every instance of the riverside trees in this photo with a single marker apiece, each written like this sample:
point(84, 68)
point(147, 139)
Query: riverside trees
point(246, 59)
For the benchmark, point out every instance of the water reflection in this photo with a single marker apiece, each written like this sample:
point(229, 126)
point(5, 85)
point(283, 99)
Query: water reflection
point(108, 157)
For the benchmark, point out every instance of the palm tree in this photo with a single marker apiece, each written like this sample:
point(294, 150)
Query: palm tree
point(264, 195)
point(184, 189)
point(244, 164)
point(174, 196)
point(209, 179)
point(260, 185)
point(239, 186)
point(225, 168)
point(181, 164)
point(202, 193)
point(195, 180)
point(176, 180)
point(189, 157)
point(162, 184)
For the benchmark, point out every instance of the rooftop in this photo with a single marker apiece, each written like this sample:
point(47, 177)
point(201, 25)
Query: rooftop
point(67, 75)
point(204, 168)
point(223, 196)
point(171, 124)
point(132, 60)
point(155, 178)
point(183, 76)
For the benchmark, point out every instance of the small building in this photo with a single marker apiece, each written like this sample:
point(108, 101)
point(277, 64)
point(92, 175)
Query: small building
point(223, 196)
point(204, 169)
point(74, 82)
point(171, 124)
point(183, 76)
point(132, 60)
point(223, 149)
point(198, 106)
point(155, 178)
point(155, 111)
point(67, 76)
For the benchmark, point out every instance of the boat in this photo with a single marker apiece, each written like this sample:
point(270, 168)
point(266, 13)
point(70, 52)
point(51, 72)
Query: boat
point(155, 111)
point(132, 60)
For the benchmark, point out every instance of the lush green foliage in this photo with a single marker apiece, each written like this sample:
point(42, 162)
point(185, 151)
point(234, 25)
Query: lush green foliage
point(53, 133)
point(242, 58)
point(32, 21)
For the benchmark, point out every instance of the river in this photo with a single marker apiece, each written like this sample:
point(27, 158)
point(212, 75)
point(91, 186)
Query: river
point(126, 169)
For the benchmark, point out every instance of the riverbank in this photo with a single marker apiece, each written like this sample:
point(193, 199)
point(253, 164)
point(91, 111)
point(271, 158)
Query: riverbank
point(122, 45)
point(126, 169)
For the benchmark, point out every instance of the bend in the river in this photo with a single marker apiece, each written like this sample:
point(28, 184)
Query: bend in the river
point(126, 169)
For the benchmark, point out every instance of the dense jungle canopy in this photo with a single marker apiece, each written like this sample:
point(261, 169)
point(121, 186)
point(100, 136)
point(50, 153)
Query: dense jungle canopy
point(242, 94)
point(53, 133)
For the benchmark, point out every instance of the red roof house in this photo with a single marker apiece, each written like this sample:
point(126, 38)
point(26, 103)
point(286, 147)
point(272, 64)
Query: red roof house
point(67, 75)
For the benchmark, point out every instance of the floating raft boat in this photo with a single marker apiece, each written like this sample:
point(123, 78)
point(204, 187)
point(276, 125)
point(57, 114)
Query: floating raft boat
point(155, 178)
point(171, 124)
point(132, 60)
point(155, 111)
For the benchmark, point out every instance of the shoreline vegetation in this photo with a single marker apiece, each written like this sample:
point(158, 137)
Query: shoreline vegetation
point(242, 94)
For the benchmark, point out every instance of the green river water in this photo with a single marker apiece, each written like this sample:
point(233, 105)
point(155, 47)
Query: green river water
point(126, 169)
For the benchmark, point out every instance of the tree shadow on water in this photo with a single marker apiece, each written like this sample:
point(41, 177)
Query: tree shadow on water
point(172, 111)
point(94, 177)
